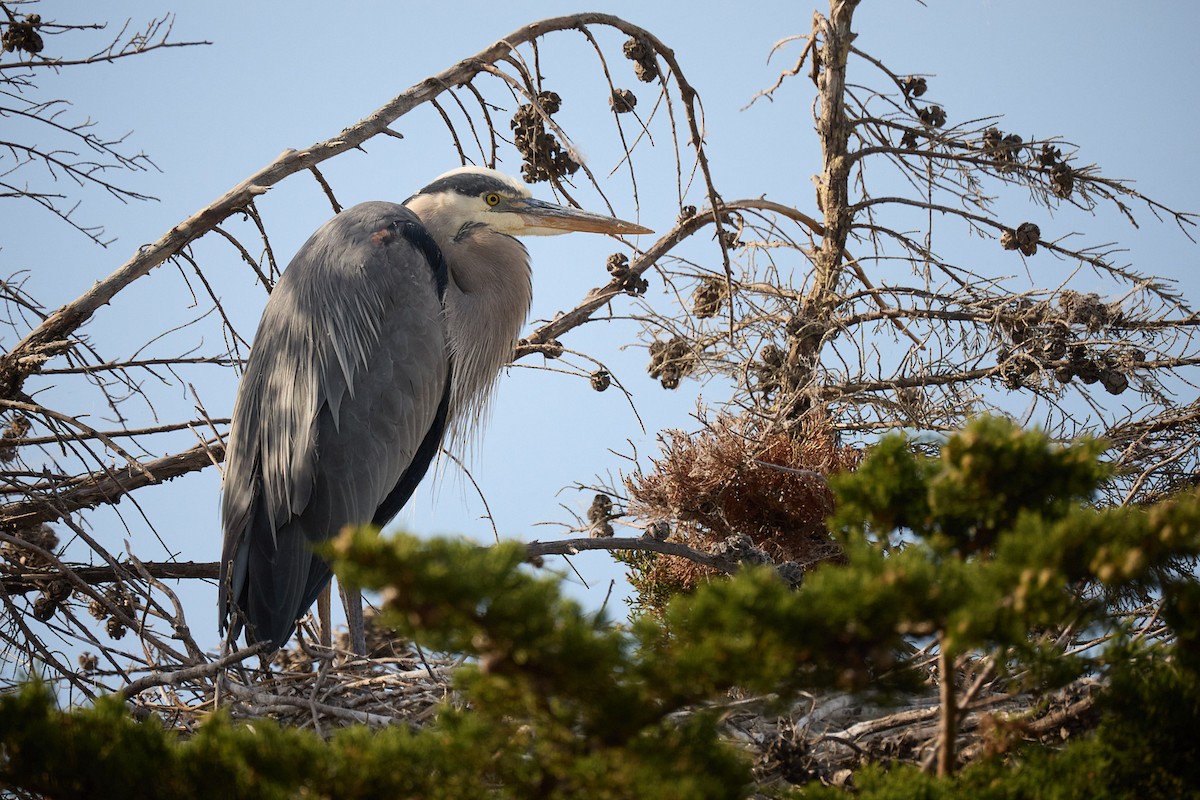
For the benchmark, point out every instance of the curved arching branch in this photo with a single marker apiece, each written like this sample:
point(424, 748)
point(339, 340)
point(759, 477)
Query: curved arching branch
point(53, 334)
point(684, 229)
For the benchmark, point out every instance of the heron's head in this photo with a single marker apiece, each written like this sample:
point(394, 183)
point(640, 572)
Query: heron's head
point(467, 198)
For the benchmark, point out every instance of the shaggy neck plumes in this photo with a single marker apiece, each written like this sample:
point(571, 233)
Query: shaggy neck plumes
point(487, 302)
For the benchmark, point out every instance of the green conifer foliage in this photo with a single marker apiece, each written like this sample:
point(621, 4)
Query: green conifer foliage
point(993, 547)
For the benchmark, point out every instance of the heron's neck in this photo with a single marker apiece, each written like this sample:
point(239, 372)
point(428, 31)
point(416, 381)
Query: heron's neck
point(487, 301)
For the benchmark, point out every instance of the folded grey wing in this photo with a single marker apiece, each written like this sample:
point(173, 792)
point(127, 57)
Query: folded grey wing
point(344, 390)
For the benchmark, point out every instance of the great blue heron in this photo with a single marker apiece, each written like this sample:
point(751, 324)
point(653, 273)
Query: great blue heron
point(391, 323)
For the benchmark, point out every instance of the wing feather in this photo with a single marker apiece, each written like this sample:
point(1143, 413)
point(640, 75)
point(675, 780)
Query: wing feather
point(342, 404)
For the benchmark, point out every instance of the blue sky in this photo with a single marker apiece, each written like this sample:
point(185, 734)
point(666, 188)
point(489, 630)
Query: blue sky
point(1119, 82)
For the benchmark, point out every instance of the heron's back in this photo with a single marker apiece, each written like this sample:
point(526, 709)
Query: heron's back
point(340, 410)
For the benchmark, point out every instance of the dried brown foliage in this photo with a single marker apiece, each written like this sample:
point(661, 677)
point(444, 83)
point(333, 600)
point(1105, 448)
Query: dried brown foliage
point(734, 478)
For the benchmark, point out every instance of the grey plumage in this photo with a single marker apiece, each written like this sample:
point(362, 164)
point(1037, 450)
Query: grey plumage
point(339, 392)
point(390, 322)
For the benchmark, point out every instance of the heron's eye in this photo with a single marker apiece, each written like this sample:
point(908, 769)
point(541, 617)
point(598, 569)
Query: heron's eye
point(492, 199)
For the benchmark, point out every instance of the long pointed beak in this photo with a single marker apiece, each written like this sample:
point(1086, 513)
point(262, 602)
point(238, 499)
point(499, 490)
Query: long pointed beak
point(545, 218)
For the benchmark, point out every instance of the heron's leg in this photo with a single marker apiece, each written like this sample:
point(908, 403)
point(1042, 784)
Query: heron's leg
point(323, 618)
point(352, 601)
